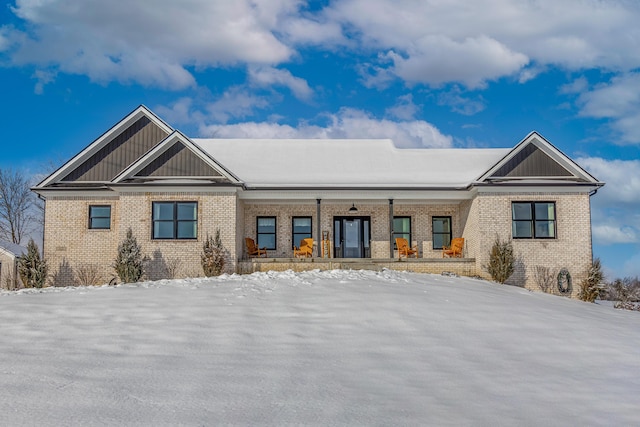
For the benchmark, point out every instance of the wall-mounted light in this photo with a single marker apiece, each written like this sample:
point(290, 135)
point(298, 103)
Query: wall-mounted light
point(353, 208)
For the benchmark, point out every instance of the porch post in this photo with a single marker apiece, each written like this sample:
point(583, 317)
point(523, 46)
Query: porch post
point(391, 228)
point(318, 230)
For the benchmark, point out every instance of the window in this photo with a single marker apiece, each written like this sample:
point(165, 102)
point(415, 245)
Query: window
point(441, 229)
point(266, 226)
point(175, 220)
point(402, 228)
point(533, 220)
point(100, 217)
point(301, 229)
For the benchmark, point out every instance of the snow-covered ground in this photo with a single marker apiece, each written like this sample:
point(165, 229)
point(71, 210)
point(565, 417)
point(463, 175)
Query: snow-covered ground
point(315, 348)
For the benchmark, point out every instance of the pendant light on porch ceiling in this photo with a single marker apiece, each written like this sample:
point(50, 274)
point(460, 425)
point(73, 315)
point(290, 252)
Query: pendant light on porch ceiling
point(353, 208)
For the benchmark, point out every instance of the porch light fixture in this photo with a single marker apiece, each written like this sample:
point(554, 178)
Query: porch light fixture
point(353, 208)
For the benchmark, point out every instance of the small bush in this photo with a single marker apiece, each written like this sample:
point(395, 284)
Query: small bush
point(88, 275)
point(213, 255)
point(173, 267)
point(591, 285)
point(32, 268)
point(129, 264)
point(501, 260)
point(545, 278)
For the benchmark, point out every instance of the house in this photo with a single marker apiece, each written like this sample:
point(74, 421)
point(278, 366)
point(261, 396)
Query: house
point(9, 254)
point(353, 197)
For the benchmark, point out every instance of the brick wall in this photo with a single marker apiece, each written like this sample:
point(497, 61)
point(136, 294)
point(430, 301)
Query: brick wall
point(70, 244)
point(571, 249)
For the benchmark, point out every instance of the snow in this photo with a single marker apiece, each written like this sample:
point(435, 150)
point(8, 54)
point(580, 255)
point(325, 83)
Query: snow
point(348, 162)
point(316, 348)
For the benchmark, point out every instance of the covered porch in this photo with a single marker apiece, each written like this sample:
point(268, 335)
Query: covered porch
point(350, 228)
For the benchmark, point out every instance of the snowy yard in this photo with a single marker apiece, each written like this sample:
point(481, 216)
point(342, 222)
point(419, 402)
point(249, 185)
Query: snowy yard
point(316, 348)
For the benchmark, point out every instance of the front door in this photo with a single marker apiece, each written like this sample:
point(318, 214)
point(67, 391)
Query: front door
point(352, 236)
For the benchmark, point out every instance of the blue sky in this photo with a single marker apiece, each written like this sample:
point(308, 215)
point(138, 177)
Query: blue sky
point(424, 73)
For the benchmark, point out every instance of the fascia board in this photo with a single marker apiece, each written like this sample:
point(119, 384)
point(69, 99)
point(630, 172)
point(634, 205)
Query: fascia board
point(204, 188)
point(527, 189)
point(103, 140)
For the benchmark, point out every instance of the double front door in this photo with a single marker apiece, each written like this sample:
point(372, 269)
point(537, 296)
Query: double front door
point(352, 236)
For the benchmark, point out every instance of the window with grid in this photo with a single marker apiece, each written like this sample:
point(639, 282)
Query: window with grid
point(533, 220)
point(99, 217)
point(266, 232)
point(441, 231)
point(175, 220)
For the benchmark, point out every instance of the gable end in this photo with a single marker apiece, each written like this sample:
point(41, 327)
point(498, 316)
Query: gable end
point(119, 153)
point(531, 161)
point(178, 161)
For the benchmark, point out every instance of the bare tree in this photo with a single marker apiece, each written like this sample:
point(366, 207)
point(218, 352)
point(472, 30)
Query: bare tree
point(16, 206)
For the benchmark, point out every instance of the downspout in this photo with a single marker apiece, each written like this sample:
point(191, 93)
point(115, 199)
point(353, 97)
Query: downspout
point(391, 228)
point(318, 230)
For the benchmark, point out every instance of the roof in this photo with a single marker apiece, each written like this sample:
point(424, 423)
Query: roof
point(12, 248)
point(141, 149)
point(348, 163)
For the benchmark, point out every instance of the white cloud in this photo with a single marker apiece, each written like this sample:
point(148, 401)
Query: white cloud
point(579, 85)
point(43, 77)
point(347, 123)
point(235, 103)
point(574, 34)
point(429, 42)
point(438, 59)
point(612, 234)
point(180, 112)
point(269, 76)
point(133, 41)
point(619, 101)
point(622, 178)
point(404, 109)
point(616, 206)
point(454, 98)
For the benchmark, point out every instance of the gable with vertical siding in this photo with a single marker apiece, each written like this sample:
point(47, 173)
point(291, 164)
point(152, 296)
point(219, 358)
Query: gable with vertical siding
point(531, 161)
point(119, 153)
point(178, 161)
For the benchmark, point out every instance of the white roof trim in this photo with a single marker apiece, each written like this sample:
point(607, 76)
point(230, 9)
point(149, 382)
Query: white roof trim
point(103, 140)
point(549, 149)
point(164, 145)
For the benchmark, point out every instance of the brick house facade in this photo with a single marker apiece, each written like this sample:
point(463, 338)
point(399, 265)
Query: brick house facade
point(173, 191)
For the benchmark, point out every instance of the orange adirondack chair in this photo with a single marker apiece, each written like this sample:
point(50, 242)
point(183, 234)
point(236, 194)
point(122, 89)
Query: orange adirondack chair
point(253, 250)
point(404, 249)
point(455, 249)
point(305, 249)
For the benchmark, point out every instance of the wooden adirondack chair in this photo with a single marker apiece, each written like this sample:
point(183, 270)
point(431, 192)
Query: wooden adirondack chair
point(404, 250)
point(253, 250)
point(455, 249)
point(305, 249)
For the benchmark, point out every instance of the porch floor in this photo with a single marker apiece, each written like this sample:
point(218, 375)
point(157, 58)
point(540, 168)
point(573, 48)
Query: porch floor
point(459, 266)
